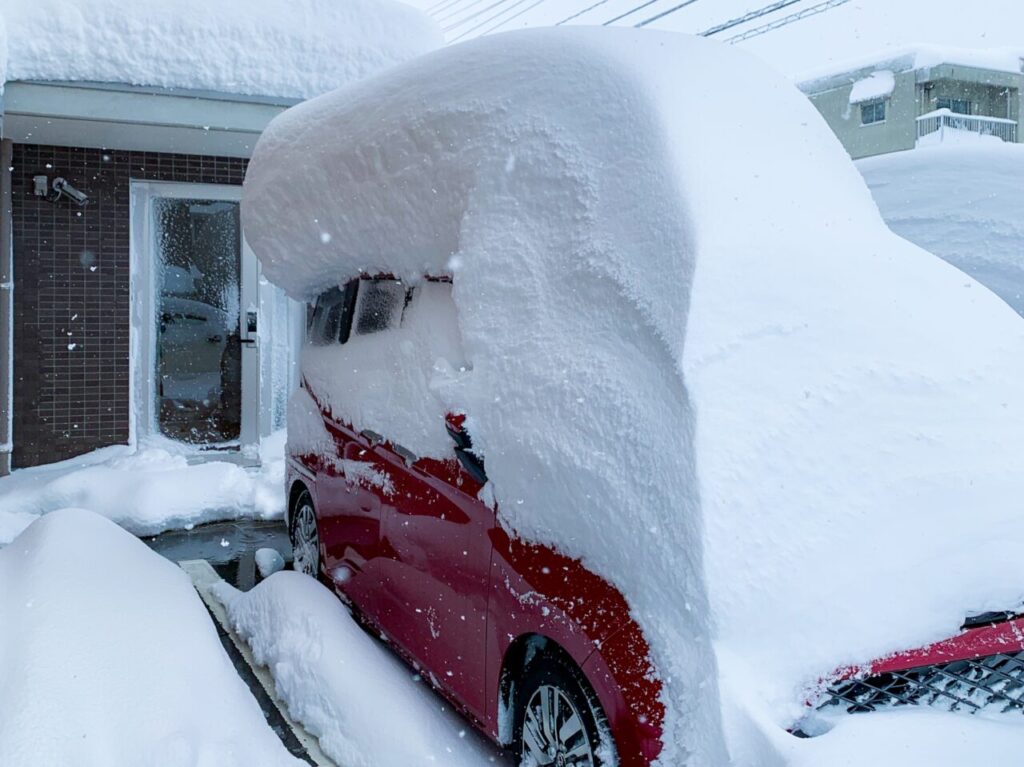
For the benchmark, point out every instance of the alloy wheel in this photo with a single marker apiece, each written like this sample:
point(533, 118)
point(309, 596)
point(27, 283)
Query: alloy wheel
point(553, 732)
point(306, 541)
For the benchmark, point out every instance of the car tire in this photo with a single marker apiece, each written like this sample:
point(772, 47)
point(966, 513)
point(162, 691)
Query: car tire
point(304, 536)
point(558, 720)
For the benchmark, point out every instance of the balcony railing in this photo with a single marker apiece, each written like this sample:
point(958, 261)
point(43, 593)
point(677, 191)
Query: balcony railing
point(942, 120)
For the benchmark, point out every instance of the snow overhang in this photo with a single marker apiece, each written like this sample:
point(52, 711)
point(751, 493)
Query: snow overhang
point(101, 115)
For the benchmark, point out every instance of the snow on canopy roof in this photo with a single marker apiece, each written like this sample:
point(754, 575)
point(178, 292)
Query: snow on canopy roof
point(689, 340)
point(256, 47)
point(914, 57)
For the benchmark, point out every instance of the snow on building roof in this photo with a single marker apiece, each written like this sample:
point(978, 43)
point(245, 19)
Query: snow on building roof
point(255, 47)
point(910, 58)
point(688, 342)
point(877, 85)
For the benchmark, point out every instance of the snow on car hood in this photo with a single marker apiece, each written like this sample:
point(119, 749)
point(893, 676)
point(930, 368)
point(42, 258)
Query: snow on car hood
point(691, 343)
point(261, 47)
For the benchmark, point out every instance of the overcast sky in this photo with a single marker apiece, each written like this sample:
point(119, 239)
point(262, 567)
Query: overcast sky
point(857, 28)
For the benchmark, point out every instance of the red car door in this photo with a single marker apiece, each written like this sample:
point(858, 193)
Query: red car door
point(349, 497)
point(436, 555)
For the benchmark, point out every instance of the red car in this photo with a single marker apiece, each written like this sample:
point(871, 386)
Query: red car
point(538, 651)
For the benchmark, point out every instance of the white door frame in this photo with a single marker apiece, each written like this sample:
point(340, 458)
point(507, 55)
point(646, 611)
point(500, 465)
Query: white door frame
point(142, 333)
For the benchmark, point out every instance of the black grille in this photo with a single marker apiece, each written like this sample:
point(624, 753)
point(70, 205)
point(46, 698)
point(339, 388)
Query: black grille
point(991, 682)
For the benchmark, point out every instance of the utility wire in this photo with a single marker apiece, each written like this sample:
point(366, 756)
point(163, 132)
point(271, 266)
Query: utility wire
point(479, 13)
point(488, 20)
point(588, 9)
point(665, 13)
point(453, 22)
point(629, 13)
point(805, 13)
point(444, 5)
point(512, 17)
point(757, 14)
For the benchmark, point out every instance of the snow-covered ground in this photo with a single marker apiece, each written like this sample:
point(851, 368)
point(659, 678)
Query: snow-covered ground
point(296, 49)
point(108, 658)
point(962, 201)
point(147, 490)
point(367, 707)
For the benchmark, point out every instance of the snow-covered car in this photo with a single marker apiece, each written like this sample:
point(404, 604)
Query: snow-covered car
point(622, 299)
point(529, 643)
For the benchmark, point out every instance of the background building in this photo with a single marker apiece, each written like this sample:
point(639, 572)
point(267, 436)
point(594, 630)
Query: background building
point(893, 103)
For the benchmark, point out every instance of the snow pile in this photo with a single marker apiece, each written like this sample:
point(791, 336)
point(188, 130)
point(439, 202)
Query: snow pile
point(265, 47)
point(109, 659)
point(962, 203)
point(947, 135)
point(877, 85)
point(148, 490)
point(676, 332)
point(346, 688)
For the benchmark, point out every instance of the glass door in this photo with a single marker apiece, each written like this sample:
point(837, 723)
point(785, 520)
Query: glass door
point(201, 354)
point(198, 343)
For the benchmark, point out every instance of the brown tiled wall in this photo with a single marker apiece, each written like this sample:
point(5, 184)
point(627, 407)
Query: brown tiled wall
point(72, 294)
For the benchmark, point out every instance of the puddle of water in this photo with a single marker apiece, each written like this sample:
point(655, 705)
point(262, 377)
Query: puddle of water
point(229, 546)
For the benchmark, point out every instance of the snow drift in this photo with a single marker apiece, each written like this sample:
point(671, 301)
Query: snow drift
point(364, 705)
point(689, 341)
point(148, 489)
point(962, 203)
point(296, 49)
point(109, 659)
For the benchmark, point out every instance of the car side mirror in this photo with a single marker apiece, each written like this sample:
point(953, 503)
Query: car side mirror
point(471, 462)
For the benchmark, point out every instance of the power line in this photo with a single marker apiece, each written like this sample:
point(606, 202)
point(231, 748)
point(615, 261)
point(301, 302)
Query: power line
point(444, 5)
point(512, 17)
point(805, 13)
point(629, 13)
point(580, 13)
point(771, 8)
point(479, 13)
point(663, 14)
point(450, 16)
point(488, 20)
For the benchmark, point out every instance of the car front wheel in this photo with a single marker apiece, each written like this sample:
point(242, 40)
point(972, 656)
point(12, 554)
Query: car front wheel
point(558, 721)
point(305, 538)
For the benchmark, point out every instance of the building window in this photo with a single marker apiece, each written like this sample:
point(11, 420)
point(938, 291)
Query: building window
point(873, 112)
point(958, 106)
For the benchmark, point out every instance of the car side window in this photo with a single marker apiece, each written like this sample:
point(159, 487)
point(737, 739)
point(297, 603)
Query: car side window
point(379, 306)
point(360, 308)
point(331, 320)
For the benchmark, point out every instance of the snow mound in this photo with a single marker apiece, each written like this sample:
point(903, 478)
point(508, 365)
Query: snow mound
point(689, 342)
point(146, 491)
point(362, 702)
point(109, 659)
point(962, 203)
point(264, 47)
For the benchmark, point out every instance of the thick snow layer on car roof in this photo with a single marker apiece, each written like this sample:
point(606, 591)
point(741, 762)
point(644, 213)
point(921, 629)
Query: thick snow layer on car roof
point(689, 339)
point(110, 658)
point(262, 47)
